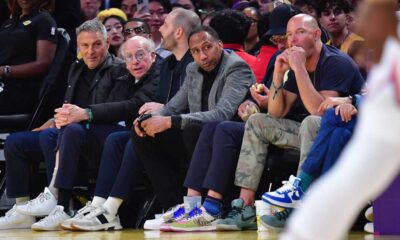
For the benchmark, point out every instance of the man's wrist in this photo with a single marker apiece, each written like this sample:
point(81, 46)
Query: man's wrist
point(175, 122)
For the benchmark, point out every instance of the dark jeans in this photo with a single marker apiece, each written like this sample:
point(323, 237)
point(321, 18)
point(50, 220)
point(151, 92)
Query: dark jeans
point(215, 157)
point(22, 149)
point(165, 159)
point(75, 142)
point(120, 167)
point(331, 139)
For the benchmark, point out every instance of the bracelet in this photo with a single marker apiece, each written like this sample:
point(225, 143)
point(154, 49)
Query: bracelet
point(276, 89)
point(90, 114)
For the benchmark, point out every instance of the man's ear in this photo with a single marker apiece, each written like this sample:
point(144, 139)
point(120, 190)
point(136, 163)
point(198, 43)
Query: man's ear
point(317, 34)
point(179, 33)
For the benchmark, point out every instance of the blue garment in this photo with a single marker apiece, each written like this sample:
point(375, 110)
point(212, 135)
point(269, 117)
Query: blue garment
point(120, 168)
point(215, 157)
point(329, 143)
point(21, 150)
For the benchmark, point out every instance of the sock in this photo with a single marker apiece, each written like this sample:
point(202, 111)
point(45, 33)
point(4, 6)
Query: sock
point(21, 200)
point(98, 201)
point(112, 205)
point(213, 205)
point(306, 180)
point(64, 197)
point(51, 187)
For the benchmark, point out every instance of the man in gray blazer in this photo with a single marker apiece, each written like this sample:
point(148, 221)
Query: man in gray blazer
point(216, 83)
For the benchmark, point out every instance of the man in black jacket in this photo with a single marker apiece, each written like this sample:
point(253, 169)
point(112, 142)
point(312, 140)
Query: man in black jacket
point(98, 85)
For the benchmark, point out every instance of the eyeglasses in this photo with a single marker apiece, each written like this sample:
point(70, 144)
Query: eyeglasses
point(136, 30)
point(139, 56)
point(276, 39)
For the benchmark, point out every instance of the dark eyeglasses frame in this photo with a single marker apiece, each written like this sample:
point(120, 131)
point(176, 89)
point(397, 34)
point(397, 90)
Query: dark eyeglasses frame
point(137, 30)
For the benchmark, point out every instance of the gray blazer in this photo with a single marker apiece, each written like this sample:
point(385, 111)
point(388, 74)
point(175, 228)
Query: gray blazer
point(228, 91)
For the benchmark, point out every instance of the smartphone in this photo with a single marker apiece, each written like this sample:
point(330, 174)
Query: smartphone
point(143, 6)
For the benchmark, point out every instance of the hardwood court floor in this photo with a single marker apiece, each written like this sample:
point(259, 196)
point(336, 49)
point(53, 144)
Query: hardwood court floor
point(140, 234)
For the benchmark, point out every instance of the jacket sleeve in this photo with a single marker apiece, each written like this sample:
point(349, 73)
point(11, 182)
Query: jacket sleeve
point(126, 110)
point(238, 79)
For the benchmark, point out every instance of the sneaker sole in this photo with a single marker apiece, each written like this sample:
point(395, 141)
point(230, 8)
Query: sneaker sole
point(227, 227)
point(106, 227)
point(195, 229)
point(66, 227)
point(18, 226)
point(42, 229)
point(271, 227)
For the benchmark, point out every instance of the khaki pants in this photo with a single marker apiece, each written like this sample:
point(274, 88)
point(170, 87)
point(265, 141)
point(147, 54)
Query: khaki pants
point(262, 130)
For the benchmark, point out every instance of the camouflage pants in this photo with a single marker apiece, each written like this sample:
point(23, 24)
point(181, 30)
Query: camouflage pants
point(260, 131)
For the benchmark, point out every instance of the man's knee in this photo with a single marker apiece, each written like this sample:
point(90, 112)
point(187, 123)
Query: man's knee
point(310, 126)
point(14, 142)
point(74, 130)
point(48, 137)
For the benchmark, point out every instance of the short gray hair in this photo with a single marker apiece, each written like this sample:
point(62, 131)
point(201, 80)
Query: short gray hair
point(148, 44)
point(93, 25)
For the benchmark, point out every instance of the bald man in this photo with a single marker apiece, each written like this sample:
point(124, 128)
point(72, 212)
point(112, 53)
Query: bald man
point(313, 72)
point(373, 150)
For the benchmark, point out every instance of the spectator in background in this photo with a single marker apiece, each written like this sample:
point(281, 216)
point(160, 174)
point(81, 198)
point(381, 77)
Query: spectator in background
point(186, 4)
point(129, 7)
point(136, 27)
point(28, 45)
point(90, 8)
point(4, 11)
point(232, 27)
point(252, 35)
point(158, 10)
point(114, 20)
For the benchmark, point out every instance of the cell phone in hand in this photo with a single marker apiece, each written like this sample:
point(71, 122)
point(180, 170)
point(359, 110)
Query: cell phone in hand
point(143, 6)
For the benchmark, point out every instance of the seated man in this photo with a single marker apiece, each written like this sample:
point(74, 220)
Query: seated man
point(113, 182)
point(215, 85)
point(337, 127)
point(82, 130)
point(317, 71)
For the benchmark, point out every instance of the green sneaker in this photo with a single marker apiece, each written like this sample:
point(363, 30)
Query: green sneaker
point(238, 218)
point(276, 221)
point(199, 220)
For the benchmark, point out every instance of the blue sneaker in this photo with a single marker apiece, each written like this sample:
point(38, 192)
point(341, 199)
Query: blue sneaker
point(287, 196)
point(276, 221)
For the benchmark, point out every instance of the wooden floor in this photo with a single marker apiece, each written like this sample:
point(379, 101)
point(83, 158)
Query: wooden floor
point(140, 234)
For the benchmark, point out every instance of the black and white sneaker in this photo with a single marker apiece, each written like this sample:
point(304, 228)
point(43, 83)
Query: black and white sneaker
point(87, 209)
point(97, 220)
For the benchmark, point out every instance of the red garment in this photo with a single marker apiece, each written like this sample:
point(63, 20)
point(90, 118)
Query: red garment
point(263, 58)
point(250, 59)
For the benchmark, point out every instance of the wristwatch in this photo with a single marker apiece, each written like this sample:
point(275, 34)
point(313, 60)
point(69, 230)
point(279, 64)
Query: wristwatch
point(6, 70)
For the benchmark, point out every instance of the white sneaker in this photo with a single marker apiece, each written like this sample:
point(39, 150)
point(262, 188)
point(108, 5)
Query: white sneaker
point(97, 220)
point(174, 214)
point(15, 220)
point(153, 224)
point(369, 227)
point(88, 208)
point(52, 221)
point(42, 205)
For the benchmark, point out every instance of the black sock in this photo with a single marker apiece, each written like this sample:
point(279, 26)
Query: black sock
point(64, 197)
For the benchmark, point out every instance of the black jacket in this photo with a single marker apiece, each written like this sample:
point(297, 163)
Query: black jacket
point(103, 82)
point(168, 67)
point(130, 97)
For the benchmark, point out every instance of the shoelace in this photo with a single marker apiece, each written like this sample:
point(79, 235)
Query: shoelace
point(195, 213)
point(234, 212)
point(287, 187)
point(53, 215)
point(41, 198)
point(178, 214)
point(283, 215)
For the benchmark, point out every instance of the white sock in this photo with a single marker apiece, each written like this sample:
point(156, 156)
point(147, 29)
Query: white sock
point(112, 205)
point(51, 187)
point(98, 201)
point(21, 200)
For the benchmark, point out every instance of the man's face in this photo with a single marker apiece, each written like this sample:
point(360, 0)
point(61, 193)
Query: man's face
point(90, 7)
point(129, 7)
point(133, 28)
point(93, 47)
point(206, 51)
point(138, 59)
point(167, 31)
point(333, 20)
point(252, 15)
point(300, 35)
